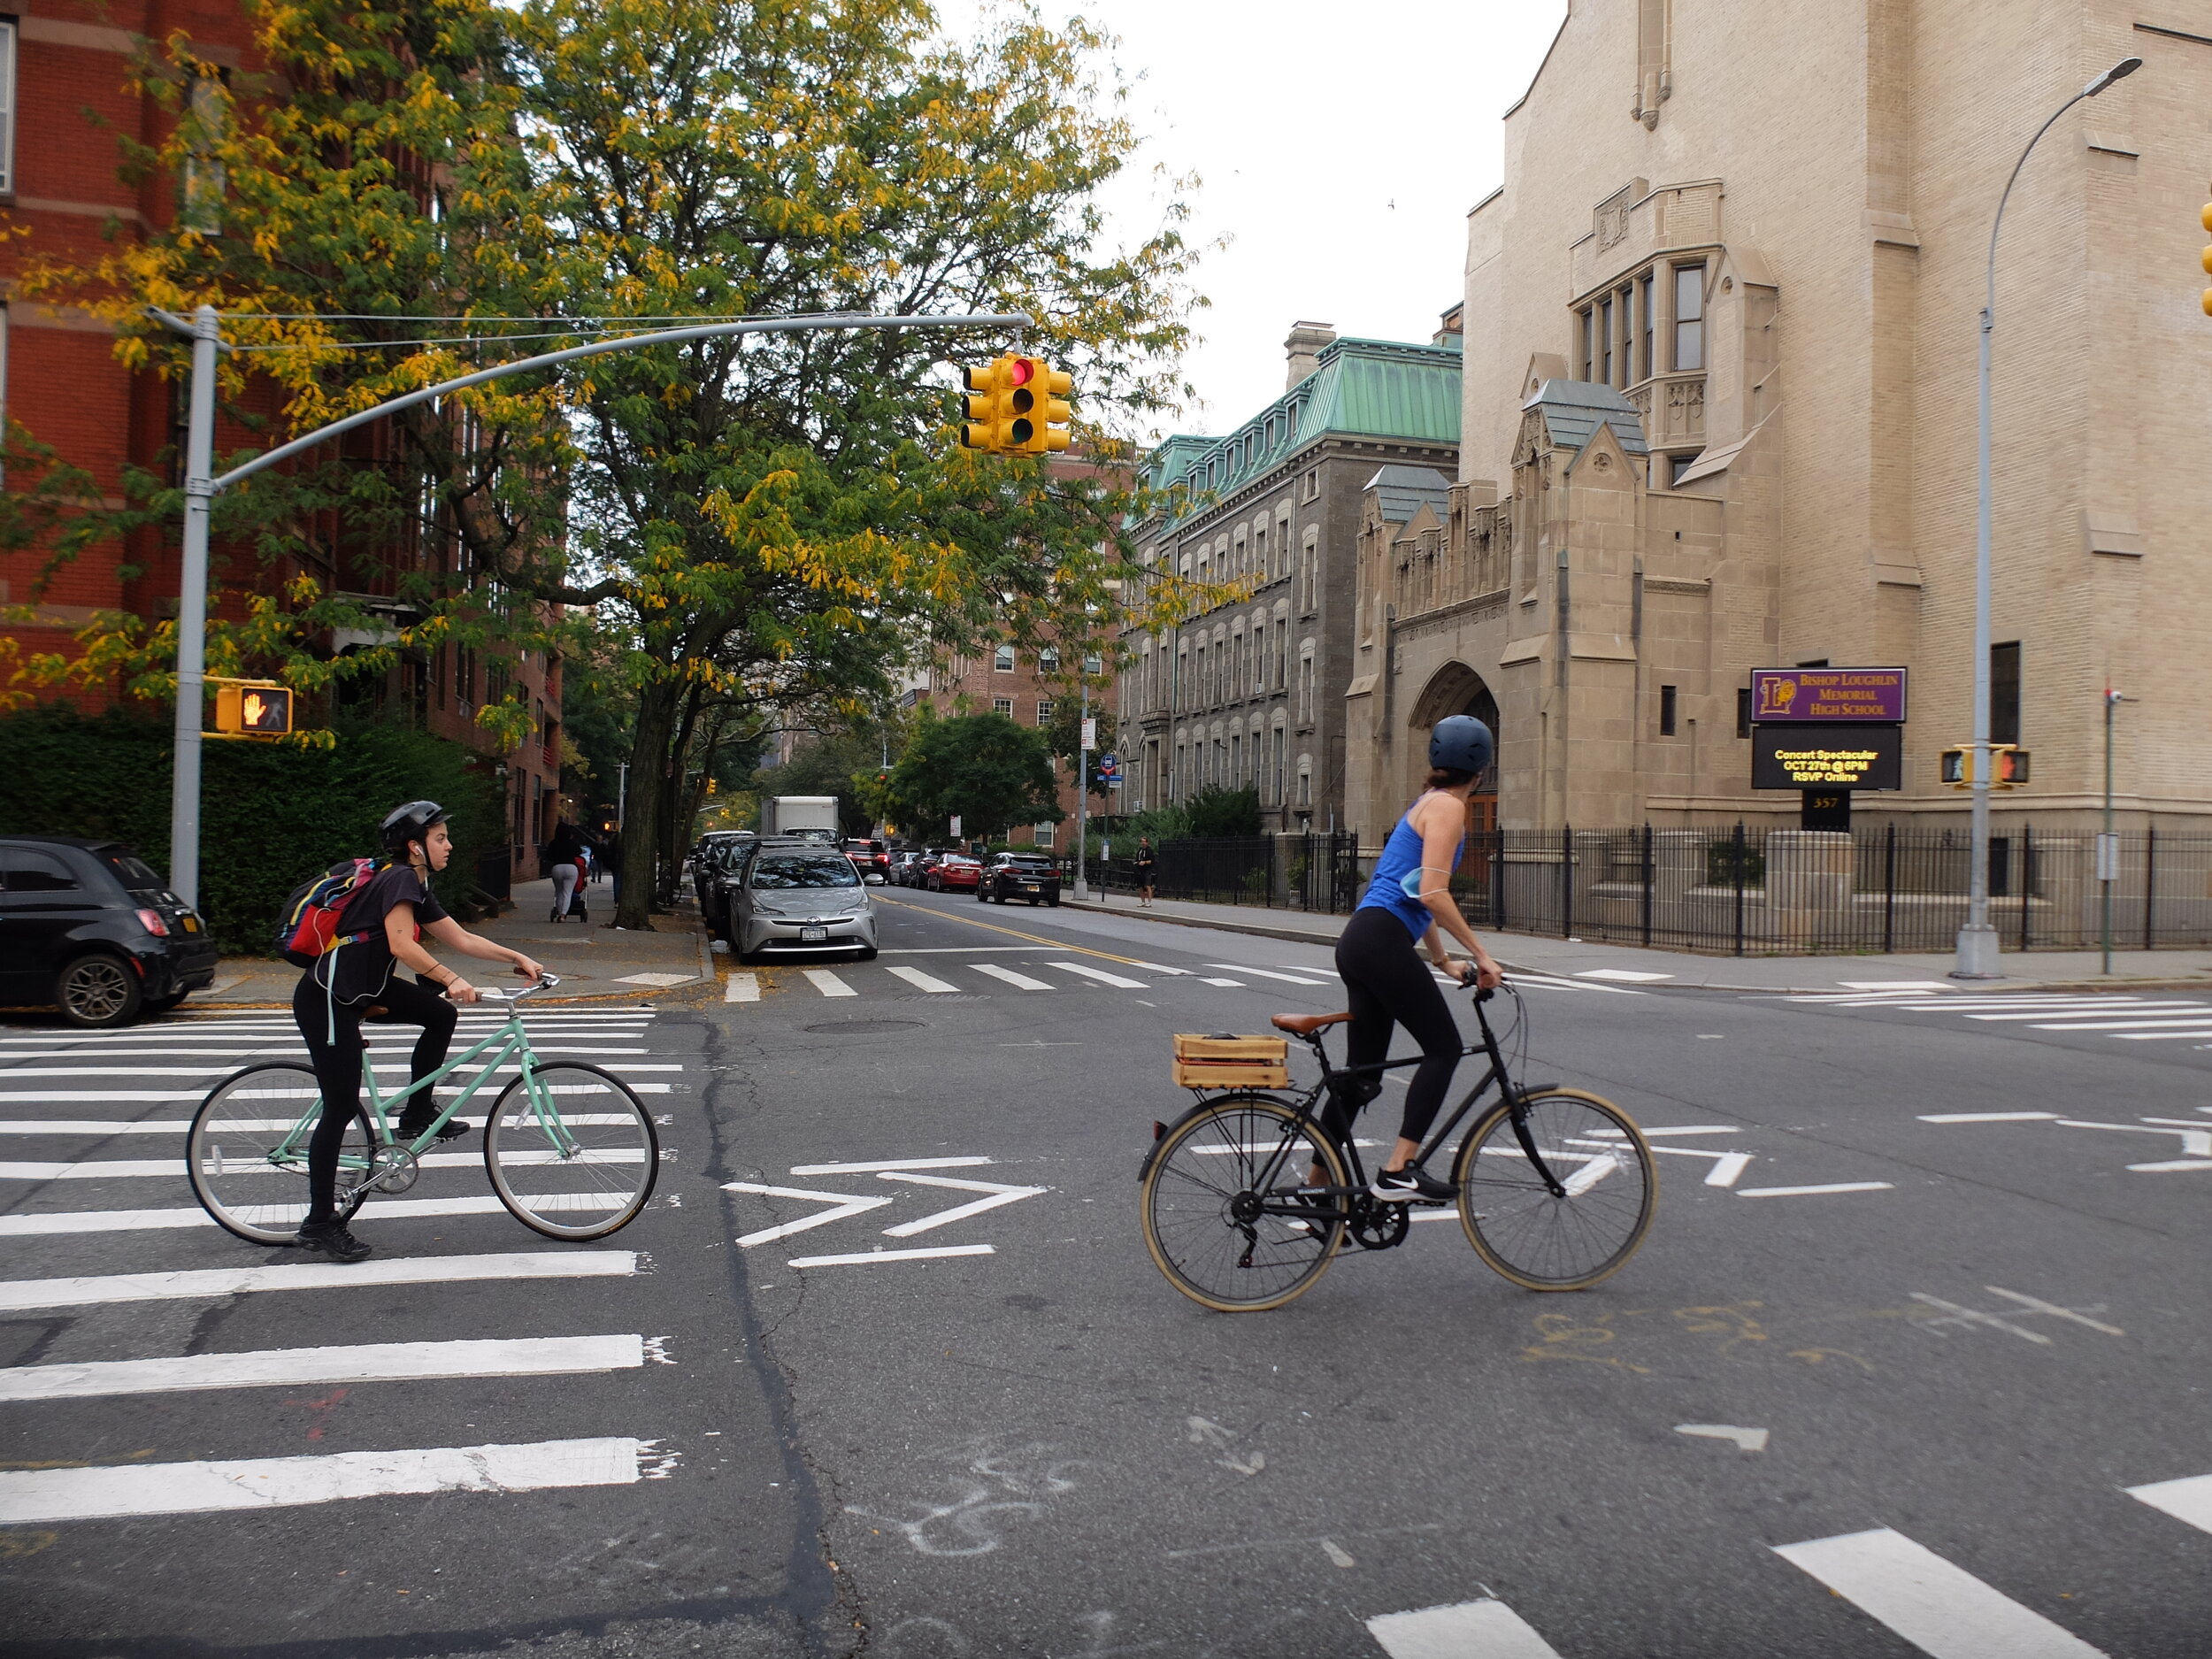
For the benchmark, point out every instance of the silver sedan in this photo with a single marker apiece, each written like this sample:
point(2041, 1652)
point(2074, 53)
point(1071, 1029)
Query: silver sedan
point(798, 899)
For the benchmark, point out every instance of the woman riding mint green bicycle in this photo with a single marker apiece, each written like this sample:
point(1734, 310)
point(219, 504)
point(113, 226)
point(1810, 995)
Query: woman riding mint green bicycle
point(284, 1154)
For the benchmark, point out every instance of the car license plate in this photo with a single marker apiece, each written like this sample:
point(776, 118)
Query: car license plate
point(1029, 886)
point(812, 935)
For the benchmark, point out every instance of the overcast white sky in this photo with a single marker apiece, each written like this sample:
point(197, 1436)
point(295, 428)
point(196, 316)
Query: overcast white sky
point(1340, 145)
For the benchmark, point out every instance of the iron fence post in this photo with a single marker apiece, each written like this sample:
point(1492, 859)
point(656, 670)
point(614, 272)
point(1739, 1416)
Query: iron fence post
point(1647, 874)
point(2027, 877)
point(1889, 890)
point(1739, 861)
point(1566, 881)
point(2150, 887)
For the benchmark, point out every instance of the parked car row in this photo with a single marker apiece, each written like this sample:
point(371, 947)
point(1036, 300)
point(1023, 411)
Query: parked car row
point(87, 928)
point(1009, 876)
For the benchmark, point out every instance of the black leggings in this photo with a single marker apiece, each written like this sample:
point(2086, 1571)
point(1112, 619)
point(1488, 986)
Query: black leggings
point(338, 1065)
point(1389, 982)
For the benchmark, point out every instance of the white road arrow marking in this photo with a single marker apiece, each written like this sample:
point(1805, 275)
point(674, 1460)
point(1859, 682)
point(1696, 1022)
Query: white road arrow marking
point(2195, 1143)
point(998, 1195)
point(846, 1205)
point(1746, 1439)
point(1727, 1166)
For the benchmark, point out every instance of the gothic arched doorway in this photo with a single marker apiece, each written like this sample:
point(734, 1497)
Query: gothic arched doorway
point(1456, 689)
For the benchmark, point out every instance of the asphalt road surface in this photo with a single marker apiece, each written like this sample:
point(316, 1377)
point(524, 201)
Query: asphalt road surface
point(1914, 1361)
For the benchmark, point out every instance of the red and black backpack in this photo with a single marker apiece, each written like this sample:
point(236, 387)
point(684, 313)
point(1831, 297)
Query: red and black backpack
point(313, 924)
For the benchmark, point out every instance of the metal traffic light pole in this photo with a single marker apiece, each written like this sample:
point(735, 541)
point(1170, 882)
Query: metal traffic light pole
point(1978, 939)
point(200, 485)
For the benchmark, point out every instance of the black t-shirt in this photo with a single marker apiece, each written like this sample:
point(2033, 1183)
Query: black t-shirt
point(363, 966)
point(1144, 859)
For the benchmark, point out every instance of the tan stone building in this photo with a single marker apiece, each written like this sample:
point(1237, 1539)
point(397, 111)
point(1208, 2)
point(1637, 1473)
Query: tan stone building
point(1719, 412)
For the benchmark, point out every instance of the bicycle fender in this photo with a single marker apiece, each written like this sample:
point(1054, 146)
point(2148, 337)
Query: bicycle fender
point(1162, 1131)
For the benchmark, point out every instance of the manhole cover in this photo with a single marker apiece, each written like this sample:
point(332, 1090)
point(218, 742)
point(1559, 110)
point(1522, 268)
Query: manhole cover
point(864, 1027)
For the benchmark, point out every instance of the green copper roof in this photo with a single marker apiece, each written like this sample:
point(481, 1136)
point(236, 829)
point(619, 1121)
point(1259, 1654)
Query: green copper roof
point(1364, 388)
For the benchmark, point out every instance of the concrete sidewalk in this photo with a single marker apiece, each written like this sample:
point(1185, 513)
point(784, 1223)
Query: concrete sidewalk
point(594, 960)
point(2067, 970)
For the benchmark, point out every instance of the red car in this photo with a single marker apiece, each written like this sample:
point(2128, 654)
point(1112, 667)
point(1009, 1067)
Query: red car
point(871, 861)
point(954, 870)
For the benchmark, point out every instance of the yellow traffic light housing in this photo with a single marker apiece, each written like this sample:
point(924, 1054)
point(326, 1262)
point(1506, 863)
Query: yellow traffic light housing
point(1016, 406)
point(251, 708)
point(2007, 766)
point(2205, 217)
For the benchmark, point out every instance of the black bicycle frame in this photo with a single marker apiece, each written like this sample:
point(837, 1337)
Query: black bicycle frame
point(1516, 1100)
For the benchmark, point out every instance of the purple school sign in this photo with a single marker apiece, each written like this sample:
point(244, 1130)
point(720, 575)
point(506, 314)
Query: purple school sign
point(1825, 695)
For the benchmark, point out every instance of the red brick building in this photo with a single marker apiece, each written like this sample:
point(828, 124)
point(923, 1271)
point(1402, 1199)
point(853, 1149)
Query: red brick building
point(64, 105)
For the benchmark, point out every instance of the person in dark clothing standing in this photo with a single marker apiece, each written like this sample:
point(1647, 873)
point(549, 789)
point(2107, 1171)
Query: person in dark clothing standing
point(357, 980)
point(1148, 870)
point(561, 859)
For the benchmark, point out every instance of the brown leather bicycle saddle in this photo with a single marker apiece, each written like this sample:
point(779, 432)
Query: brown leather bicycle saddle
point(1306, 1024)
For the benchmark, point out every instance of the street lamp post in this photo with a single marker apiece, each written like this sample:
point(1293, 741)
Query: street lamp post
point(2109, 842)
point(1978, 939)
point(200, 486)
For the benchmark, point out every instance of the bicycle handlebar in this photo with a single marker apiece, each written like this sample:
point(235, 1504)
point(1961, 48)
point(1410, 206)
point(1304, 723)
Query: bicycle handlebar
point(490, 994)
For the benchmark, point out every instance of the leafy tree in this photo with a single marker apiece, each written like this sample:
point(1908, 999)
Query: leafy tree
point(779, 522)
point(983, 769)
point(349, 209)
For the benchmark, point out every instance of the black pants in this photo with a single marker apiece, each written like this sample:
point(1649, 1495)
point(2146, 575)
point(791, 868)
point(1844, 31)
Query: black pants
point(1389, 983)
point(338, 1065)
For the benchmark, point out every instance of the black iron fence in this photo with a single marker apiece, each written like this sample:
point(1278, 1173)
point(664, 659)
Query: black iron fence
point(1312, 872)
point(1769, 892)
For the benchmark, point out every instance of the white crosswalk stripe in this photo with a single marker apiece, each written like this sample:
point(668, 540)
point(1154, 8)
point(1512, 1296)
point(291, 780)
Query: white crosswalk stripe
point(1100, 975)
point(921, 981)
point(73, 1091)
point(2121, 1017)
point(1019, 981)
point(1942, 1610)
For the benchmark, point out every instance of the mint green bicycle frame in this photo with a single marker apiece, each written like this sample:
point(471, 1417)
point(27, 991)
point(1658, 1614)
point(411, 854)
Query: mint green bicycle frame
point(514, 1043)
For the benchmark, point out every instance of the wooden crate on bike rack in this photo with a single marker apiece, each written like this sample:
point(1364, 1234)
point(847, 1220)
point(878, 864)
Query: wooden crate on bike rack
point(1223, 1061)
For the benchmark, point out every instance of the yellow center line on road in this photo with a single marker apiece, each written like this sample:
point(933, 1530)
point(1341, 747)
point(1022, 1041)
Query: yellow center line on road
point(1035, 939)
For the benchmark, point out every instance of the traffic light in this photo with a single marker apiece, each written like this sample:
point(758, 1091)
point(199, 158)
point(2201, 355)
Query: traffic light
point(252, 708)
point(2008, 767)
point(1041, 425)
point(2204, 216)
point(1016, 406)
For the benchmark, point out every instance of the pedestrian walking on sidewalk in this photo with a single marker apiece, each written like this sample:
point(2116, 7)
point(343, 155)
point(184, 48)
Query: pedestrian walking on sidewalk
point(561, 856)
point(1147, 869)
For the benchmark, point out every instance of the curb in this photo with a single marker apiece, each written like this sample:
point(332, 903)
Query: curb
point(1293, 935)
point(1300, 936)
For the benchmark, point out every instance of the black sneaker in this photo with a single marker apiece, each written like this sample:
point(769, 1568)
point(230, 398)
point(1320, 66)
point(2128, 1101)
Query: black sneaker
point(331, 1239)
point(1412, 1186)
point(411, 1125)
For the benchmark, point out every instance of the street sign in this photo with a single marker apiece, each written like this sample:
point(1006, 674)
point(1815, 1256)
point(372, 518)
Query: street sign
point(956, 824)
point(1825, 695)
point(1090, 734)
point(1109, 762)
point(1817, 758)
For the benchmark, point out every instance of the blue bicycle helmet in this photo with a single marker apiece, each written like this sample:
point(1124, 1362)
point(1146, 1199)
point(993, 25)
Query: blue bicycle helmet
point(1462, 743)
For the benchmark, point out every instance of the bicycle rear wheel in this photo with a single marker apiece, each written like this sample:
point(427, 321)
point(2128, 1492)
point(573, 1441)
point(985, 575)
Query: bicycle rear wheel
point(571, 1152)
point(1205, 1223)
point(1520, 1228)
point(248, 1169)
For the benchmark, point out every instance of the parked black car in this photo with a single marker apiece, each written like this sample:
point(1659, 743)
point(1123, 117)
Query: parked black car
point(1011, 876)
point(717, 864)
point(86, 927)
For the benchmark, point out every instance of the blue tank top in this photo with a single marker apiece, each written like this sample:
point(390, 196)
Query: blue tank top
point(1389, 890)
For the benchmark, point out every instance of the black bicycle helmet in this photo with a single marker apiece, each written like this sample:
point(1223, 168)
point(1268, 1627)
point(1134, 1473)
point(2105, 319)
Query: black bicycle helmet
point(1462, 743)
point(410, 823)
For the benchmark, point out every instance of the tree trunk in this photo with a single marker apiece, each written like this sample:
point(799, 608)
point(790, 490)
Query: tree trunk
point(644, 806)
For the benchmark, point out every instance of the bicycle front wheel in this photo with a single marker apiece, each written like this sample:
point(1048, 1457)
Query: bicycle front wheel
point(246, 1153)
point(1543, 1241)
point(1221, 1217)
point(571, 1152)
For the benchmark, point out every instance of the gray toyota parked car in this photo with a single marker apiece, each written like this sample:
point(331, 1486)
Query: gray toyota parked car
point(798, 898)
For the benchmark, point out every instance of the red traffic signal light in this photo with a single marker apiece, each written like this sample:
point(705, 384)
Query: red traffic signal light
point(1016, 406)
point(2205, 218)
point(252, 708)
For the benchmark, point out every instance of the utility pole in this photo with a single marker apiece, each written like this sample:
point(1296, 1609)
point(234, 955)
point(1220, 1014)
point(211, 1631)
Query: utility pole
point(199, 499)
point(200, 486)
point(1978, 939)
point(1082, 784)
point(2108, 843)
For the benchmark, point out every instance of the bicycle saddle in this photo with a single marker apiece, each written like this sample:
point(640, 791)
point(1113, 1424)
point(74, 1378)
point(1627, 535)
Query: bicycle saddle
point(1306, 1024)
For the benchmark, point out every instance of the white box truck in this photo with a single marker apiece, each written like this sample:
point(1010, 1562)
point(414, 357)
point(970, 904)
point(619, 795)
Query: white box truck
point(798, 815)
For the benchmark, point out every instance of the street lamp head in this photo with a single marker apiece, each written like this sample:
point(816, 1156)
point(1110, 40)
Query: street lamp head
point(2120, 71)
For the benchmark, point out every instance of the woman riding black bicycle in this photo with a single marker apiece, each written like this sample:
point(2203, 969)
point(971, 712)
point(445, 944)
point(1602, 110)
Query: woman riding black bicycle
point(1410, 900)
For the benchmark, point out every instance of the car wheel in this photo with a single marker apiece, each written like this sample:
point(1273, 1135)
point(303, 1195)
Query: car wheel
point(1033, 903)
point(867, 953)
point(1053, 900)
point(96, 992)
